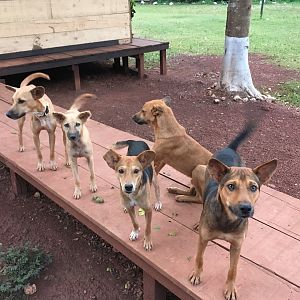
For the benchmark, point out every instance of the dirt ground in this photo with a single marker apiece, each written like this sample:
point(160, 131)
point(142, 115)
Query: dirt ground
point(95, 270)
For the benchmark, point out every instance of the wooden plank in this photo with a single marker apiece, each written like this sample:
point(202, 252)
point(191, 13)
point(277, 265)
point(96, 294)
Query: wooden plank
point(264, 245)
point(24, 10)
point(39, 27)
point(153, 290)
point(256, 283)
point(49, 40)
point(76, 73)
point(77, 8)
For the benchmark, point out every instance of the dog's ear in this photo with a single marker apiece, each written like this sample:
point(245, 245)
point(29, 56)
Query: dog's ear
point(146, 158)
point(11, 88)
point(167, 100)
point(38, 92)
point(84, 116)
point(156, 110)
point(59, 117)
point(265, 171)
point(216, 169)
point(112, 158)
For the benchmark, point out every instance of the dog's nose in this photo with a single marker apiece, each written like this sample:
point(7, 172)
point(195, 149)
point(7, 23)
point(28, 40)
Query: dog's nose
point(128, 188)
point(9, 114)
point(245, 209)
point(72, 137)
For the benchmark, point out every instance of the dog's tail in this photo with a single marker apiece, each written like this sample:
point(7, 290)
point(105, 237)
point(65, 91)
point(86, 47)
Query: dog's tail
point(245, 133)
point(33, 76)
point(80, 100)
point(122, 144)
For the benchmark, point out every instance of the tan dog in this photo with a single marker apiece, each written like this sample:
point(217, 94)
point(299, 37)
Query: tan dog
point(77, 140)
point(230, 194)
point(174, 147)
point(32, 99)
point(135, 174)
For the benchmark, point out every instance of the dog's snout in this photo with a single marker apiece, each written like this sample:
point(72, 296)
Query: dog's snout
point(138, 120)
point(72, 137)
point(128, 187)
point(12, 115)
point(246, 209)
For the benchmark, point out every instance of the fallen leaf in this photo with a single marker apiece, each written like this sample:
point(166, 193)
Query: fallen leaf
point(172, 233)
point(30, 289)
point(141, 212)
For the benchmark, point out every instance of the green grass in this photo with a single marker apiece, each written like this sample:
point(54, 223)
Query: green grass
point(289, 93)
point(18, 267)
point(199, 29)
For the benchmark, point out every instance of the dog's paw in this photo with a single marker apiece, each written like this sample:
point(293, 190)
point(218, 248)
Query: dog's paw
point(157, 205)
point(148, 244)
point(77, 193)
point(53, 165)
point(125, 210)
point(67, 164)
point(230, 292)
point(21, 148)
point(134, 235)
point(93, 187)
point(40, 166)
point(195, 278)
point(172, 190)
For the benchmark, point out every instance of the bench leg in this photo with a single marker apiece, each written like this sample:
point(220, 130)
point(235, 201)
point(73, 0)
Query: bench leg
point(141, 65)
point(19, 185)
point(125, 63)
point(75, 69)
point(163, 62)
point(117, 63)
point(153, 290)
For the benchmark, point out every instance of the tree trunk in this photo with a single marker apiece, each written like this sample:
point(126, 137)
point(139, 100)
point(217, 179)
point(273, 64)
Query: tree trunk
point(236, 75)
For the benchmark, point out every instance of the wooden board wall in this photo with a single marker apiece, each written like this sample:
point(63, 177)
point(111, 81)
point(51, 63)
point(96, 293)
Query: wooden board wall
point(31, 24)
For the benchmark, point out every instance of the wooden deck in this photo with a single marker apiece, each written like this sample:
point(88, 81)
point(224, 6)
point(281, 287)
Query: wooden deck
point(136, 49)
point(268, 269)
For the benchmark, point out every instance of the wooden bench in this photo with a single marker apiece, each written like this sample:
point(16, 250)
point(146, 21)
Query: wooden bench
point(67, 56)
point(269, 266)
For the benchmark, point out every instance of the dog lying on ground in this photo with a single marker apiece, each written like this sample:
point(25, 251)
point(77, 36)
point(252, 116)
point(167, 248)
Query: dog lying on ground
point(32, 99)
point(135, 174)
point(230, 194)
point(77, 140)
point(174, 147)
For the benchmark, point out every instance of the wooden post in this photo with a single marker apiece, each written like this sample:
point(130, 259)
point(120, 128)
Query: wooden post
point(153, 290)
point(141, 65)
point(163, 62)
point(19, 185)
point(125, 63)
point(76, 73)
point(117, 63)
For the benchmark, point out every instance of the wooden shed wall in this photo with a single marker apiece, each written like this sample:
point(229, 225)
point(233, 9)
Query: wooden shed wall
point(32, 24)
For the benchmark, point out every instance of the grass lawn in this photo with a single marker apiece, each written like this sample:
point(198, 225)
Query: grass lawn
point(199, 29)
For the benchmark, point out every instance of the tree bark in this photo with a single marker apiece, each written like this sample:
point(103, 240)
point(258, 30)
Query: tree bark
point(236, 75)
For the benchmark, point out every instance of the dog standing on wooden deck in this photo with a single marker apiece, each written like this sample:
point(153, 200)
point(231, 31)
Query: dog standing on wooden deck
point(77, 140)
point(174, 147)
point(135, 174)
point(230, 194)
point(32, 99)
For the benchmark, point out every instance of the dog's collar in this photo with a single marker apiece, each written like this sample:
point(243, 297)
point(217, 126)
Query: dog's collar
point(41, 114)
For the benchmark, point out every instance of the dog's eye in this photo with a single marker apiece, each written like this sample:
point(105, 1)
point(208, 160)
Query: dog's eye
point(121, 171)
point(253, 188)
point(67, 125)
point(231, 187)
point(77, 124)
point(135, 171)
point(21, 101)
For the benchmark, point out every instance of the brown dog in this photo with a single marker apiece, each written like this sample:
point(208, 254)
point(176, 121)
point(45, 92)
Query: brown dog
point(230, 194)
point(174, 147)
point(32, 99)
point(135, 174)
point(77, 140)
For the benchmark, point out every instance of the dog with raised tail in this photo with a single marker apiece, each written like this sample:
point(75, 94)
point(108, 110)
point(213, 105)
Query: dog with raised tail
point(77, 140)
point(231, 191)
point(135, 175)
point(32, 99)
